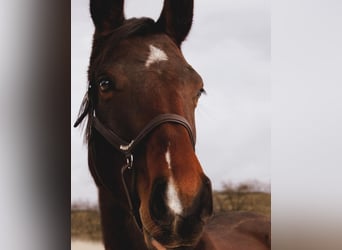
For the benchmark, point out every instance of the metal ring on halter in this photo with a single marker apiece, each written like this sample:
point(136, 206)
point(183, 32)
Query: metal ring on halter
point(126, 147)
point(129, 160)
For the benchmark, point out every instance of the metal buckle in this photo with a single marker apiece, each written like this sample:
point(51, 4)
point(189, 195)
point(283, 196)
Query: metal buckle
point(129, 161)
point(126, 147)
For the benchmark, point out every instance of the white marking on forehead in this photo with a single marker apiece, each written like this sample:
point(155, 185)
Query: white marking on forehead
point(173, 200)
point(156, 55)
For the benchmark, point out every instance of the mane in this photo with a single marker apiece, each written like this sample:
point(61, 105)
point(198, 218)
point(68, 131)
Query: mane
point(100, 52)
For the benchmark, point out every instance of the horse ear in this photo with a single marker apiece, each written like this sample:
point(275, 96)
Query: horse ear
point(107, 14)
point(176, 19)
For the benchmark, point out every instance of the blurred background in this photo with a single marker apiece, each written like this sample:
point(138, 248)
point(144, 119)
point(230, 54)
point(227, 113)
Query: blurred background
point(306, 120)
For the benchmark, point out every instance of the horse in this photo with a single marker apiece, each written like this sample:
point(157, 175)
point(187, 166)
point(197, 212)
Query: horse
point(141, 136)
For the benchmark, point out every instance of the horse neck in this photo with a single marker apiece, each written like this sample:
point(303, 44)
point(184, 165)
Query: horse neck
point(205, 243)
point(118, 226)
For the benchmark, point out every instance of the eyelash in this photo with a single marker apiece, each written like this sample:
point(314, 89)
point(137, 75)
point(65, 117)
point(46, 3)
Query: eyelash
point(201, 92)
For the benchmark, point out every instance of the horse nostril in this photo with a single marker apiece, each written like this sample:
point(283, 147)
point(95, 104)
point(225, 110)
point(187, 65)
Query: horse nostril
point(206, 199)
point(158, 207)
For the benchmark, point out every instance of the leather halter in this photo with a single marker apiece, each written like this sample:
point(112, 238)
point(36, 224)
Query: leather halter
point(127, 148)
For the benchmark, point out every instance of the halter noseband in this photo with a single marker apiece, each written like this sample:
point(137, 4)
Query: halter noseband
point(127, 148)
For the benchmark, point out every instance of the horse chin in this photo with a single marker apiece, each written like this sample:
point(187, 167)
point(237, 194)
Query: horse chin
point(154, 244)
point(157, 245)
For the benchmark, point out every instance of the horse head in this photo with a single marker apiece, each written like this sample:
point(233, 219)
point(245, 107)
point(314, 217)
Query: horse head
point(138, 73)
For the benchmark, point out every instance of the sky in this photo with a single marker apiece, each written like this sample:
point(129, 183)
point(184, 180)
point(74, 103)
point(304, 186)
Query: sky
point(229, 46)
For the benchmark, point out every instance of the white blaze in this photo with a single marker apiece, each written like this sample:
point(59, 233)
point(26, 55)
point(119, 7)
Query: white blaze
point(173, 200)
point(156, 55)
point(168, 158)
point(172, 197)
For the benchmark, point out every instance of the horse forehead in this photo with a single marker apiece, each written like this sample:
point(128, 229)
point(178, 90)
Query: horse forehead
point(154, 47)
point(155, 55)
point(152, 56)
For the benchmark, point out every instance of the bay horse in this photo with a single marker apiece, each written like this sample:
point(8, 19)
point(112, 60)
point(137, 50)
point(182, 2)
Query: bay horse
point(141, 135)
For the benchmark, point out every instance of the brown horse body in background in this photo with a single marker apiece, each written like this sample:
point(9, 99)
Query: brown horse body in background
point(153, 193)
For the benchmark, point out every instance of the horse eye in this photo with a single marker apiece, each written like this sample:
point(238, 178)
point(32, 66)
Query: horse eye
point(105, 85)
point(200, 92)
